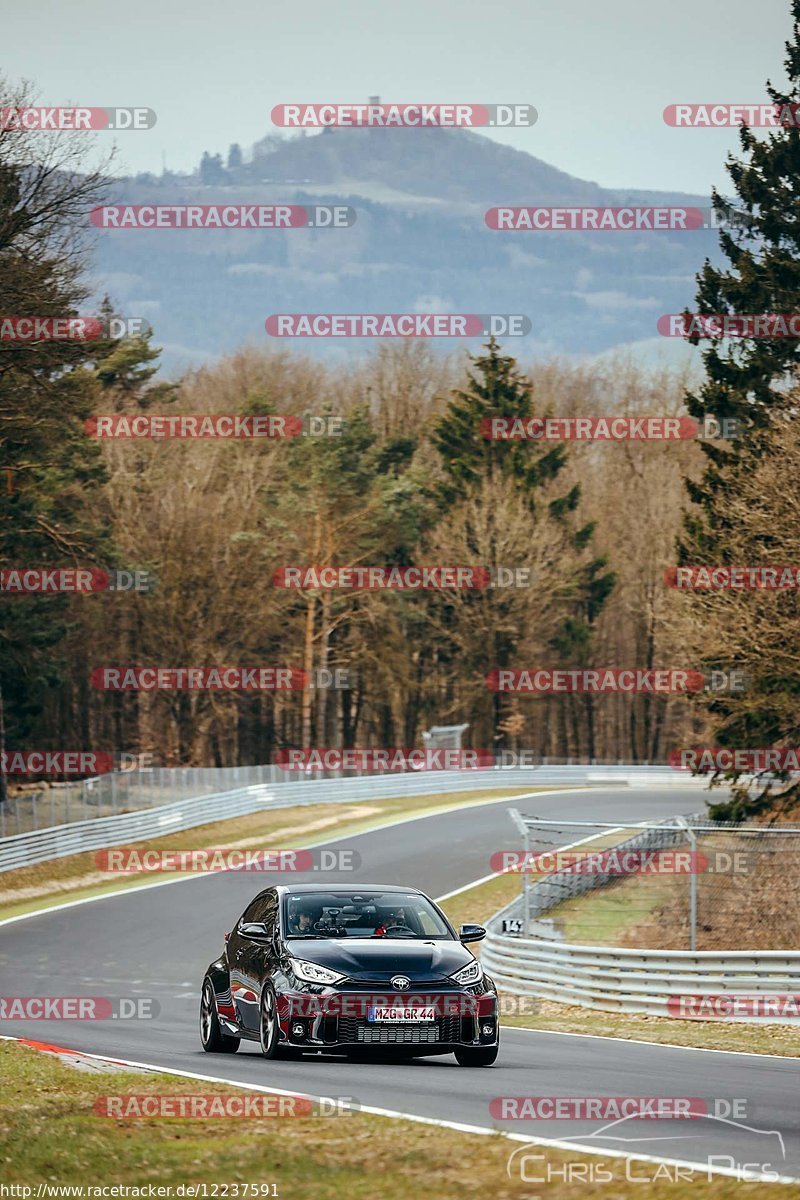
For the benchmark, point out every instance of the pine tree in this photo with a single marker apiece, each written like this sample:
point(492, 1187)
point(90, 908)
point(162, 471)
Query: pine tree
point(747, 379)
point(751, 381)
point(497, 388)
point(50, 470)
point(235, 158)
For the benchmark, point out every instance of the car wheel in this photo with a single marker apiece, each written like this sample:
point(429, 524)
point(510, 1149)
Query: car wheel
point(211, 1035)
point(268, 1022)
point(476, 1056)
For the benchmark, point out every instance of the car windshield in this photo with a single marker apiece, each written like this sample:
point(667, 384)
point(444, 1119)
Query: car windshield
point(370, 914)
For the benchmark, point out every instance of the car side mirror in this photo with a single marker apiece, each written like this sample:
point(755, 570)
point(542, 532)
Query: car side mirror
point(256, 930)
point(471, 933)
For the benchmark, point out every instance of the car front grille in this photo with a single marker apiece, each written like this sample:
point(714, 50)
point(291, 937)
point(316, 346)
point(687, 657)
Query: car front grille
point(447, 1030)
point(394, 1035)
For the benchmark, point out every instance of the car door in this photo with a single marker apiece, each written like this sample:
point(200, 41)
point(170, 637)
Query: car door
point(249, 956)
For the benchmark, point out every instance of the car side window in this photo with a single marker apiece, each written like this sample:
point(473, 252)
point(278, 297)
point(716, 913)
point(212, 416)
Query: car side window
point(263, 909)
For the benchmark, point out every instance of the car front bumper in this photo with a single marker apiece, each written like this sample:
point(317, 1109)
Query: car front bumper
point(341, 1020)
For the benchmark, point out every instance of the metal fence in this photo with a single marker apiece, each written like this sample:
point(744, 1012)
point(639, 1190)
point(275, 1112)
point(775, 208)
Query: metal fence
point(132, 790)
point(124, 792)
point(100, 832)
point(683, 883)
point(740, 985)
point(751, 902)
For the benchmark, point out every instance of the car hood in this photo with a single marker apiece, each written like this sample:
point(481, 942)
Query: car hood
point(372, 960)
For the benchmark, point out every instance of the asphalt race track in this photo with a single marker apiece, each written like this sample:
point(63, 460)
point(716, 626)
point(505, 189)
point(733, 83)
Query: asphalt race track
point(158, 942)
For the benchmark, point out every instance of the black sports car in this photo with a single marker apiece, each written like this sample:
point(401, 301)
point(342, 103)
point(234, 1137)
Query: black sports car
point(349, 970)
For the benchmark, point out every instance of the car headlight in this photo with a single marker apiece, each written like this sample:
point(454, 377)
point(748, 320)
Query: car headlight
point(471, 973)
point(313, 972)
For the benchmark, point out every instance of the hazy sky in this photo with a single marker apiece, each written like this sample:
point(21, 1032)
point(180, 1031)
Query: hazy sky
point(599, 74)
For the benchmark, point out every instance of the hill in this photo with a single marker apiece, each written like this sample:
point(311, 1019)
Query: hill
point(419, 244)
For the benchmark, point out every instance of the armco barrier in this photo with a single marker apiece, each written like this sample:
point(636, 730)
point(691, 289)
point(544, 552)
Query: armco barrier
point(26, 849)
point(617, 979)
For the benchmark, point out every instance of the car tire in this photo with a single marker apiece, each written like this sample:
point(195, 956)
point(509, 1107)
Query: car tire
point(268, 1032)
point(214, 1041)
point(477, 1056)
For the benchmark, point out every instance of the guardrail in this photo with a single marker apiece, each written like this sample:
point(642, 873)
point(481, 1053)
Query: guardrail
point(98, 833)
point(657, 982)
point(38, 806)
point(706, 984)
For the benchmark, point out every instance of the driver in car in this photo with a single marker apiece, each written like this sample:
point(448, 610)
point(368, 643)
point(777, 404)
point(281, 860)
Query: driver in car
point(393, 916)
point(302, 920)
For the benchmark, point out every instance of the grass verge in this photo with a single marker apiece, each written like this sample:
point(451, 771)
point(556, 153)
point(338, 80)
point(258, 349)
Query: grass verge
point(50, 1134)
point(77, 876)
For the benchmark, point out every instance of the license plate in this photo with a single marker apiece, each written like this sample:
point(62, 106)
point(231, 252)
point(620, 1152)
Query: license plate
point(395, 1014)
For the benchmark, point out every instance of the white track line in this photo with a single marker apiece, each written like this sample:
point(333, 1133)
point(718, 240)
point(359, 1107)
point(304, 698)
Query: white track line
point(190, 877)
point(607, 1037)
point(458, 1126)
point(39, 912)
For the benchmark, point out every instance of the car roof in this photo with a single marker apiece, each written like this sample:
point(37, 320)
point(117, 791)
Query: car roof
point(346, 888)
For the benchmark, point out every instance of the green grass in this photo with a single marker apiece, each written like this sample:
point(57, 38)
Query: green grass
point(603, 916)
point(50, 1134)
point(77, 877)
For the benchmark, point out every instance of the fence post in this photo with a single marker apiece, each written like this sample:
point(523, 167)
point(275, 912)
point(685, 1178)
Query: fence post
point(523, 828)
point(683, 823)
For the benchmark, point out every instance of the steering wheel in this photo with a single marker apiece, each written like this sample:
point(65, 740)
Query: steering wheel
point(331, 929)
point(405, 929)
